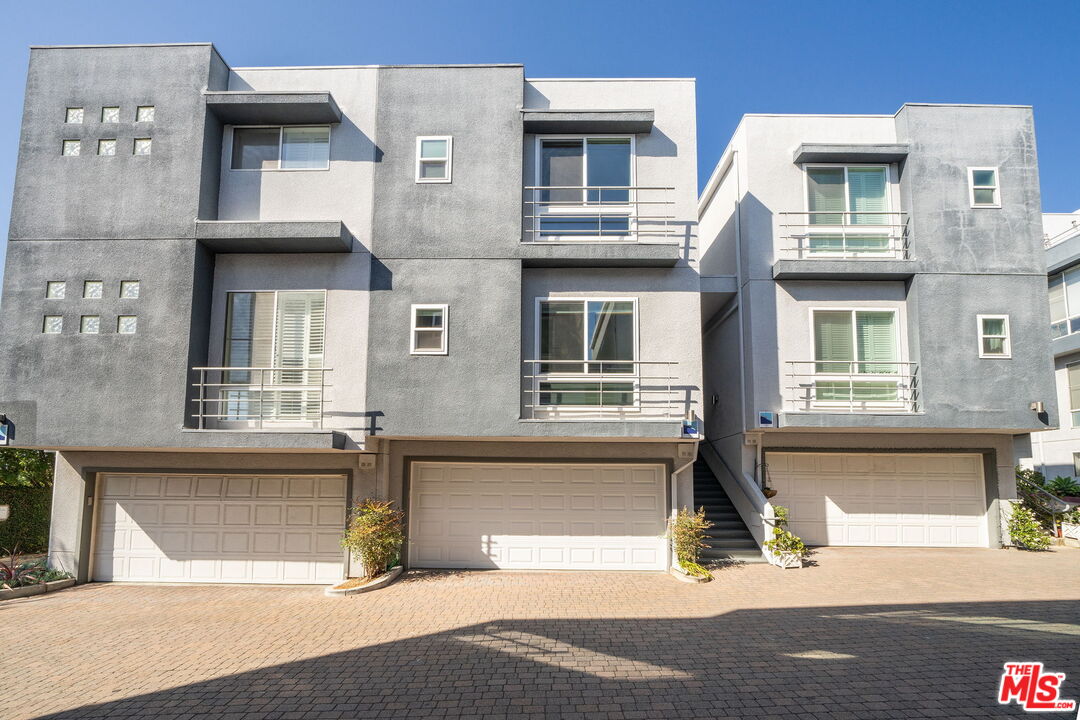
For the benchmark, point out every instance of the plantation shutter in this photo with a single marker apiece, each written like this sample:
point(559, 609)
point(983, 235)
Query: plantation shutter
point(1074, 386)
point(301, 321)
point(1058, 310)
point(866, 193)
point(833, 349)
point(825, 194)
point(876, 335)
point(305, 148)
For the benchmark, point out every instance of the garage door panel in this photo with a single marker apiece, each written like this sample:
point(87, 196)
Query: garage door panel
point(538, 516)
point(883, 499)
point(230, 529)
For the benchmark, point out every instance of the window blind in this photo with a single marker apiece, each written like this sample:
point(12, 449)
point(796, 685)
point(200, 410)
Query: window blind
point(876, 335)
point(825, 194)
point(833, 349)
point(866, 193)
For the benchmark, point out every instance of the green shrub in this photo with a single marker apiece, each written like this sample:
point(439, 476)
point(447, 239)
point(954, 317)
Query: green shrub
point(1025, 529)
point(783, 542)
point(15, 572)
point(25, 468)
point(375, 534)
point(28, 525)
point(1063, 487)
point(687, 533)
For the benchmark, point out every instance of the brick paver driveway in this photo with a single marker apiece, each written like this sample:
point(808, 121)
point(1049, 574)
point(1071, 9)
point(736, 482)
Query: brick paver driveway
point(866, 634)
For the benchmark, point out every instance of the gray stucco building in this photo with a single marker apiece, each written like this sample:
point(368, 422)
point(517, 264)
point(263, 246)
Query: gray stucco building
point(887, 341)
point(238, 298)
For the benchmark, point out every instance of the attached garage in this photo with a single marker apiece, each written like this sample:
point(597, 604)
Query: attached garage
point(537, 516)
point(220, 528)
point(918, 500)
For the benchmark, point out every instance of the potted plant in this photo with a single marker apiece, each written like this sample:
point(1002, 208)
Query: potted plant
point(769, 492)
point(785, 549)
point(687, 533)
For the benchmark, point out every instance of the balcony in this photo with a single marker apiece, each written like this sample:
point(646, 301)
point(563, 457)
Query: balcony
point(826, 245)
point(622, 390)
point(596, 226)
point(260, 398)
point(816, 386)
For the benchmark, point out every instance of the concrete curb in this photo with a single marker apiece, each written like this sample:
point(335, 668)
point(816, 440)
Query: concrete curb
point(380, 582)
point(39, 589)
point(678, 574)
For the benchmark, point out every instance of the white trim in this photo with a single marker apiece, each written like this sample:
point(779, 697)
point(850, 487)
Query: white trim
point(444, 345)
point(901, 354)
point(1007, 345)
point(448, 160)
point(996, 187)
point(281, 141)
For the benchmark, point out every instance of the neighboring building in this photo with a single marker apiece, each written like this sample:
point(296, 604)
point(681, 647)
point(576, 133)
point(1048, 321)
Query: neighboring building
point(888, 339)
point(1057, 452)
point(237, 299)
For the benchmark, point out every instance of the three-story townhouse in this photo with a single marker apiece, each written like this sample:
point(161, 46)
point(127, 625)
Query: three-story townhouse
point(238, 299)
point(886, 341)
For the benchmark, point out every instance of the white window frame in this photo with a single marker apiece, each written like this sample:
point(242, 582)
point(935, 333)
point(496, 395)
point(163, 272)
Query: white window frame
point(621, 208)
point(449, 159)
point(887, 227)
point(281, 141)
point(631, 377)
point(996, 187)
point(1006, 346)
point(900, 361)
point(444, 348)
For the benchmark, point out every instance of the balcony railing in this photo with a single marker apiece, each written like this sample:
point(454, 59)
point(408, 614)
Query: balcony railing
point(852, 387)
point(260, 397)
point(605, 390)
point(599, 214)
point(843, 235)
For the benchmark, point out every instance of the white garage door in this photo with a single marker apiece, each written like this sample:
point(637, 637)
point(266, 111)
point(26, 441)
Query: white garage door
point(537, 516)
point(924, 500)
point(220, 529)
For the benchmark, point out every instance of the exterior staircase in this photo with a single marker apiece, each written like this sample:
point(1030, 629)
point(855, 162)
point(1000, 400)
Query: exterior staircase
point(728, 538)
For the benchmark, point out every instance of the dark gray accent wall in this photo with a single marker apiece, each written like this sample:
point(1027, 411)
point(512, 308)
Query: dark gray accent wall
point(125, 195)
point(453, 243)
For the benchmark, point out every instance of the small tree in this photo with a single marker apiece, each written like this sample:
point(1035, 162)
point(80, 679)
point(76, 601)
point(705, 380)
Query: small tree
point(687, 533)
point(20, 467)
point(375, 534)
point(1025, 529)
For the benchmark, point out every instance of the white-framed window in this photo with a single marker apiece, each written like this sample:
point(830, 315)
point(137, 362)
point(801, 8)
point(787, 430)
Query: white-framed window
point(106, 147)
point(73, 115)
point(129, 289)
point(849, 211)
point(983, 187)
point(287, 147)
point(855, 353)
point(1072, 376)
point(55, 290)
point(71, 148)
point(53, 324)
point(110, 114)
point(93, 289)
point(428, 330)
point(586, 351)
point(434, 155)
point(90, 324)
point(141, 146)
point(994, 336)
point(1076, 464)
point(584, 186)
point(144, 113)
point(126, 324)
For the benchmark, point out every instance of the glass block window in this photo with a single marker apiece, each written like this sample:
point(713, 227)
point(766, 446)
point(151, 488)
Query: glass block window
point(74, 115)
point(55, 289)
point(110, 114)
point(72, 148)
point(142, 146)
point(129, 289)
point(90, 324)
point(126, 324)
point(106, 147)
point(93, 289)
point(144, 113)
point(53, 325)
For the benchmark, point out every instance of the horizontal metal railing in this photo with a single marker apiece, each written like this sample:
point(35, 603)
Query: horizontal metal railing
point(256, 396)
point(599, 213)
point(822, 235)
point(601, 389)
point(852, 386)
point(1050, 241)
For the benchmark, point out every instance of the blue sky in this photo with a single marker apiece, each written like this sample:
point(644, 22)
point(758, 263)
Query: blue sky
point(752, 56)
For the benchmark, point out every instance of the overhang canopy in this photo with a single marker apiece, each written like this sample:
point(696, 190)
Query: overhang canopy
point(851, 152)
point(587, 121)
